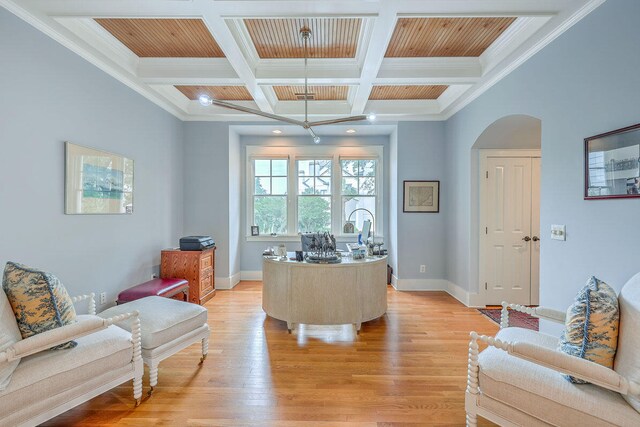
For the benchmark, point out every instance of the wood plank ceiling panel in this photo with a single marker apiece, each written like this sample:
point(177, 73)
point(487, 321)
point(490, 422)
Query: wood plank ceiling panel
point(223, 93)
point(321, 93)
point(280, 38)
point(395, 92)
point(444, 37)
point(164, 38)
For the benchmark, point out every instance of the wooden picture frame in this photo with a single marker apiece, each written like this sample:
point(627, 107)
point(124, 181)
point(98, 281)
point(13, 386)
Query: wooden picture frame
point(612, 164)
point(421, 197)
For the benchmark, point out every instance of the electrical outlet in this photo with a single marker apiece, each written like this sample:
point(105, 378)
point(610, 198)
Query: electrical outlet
point(103, 298)
point(423, 268)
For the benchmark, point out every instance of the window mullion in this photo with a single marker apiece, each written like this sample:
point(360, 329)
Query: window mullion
point(292, 197)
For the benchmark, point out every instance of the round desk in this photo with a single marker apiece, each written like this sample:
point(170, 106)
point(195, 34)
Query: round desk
point(353, 291)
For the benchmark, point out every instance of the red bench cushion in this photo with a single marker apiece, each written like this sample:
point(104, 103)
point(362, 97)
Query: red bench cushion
point(157, 287)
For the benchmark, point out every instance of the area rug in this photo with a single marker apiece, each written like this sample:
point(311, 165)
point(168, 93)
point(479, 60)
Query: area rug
point(516, 318)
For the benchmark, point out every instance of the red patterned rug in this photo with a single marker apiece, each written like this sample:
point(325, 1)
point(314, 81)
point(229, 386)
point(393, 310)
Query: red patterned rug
point(516, 318)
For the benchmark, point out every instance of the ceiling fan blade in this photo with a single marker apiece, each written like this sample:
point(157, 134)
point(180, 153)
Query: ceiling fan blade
point(256, 112)
point(340, 120)
point(312, 133)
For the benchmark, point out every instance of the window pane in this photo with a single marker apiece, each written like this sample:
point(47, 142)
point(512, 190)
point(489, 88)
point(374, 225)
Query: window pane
point(367, 186)
point(263, 167)
point(279, 167)
point(367, 168)
point(305, 167)
point(349, 204)
point(323, 167)
point(350, 186)
point(263, 186)
point(314, 214)
point(305, 185)
point(279, 185)
point(349, 167)
point(323, 185)
point(270, 214)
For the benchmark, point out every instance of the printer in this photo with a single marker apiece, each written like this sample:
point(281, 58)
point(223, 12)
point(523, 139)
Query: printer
point(196, 243)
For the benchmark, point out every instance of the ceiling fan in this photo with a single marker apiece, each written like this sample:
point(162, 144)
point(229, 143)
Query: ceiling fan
point(305, 33)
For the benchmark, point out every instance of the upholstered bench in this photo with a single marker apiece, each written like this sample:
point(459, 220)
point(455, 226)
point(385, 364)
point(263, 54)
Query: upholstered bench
point(166, 326)
point(159, 287)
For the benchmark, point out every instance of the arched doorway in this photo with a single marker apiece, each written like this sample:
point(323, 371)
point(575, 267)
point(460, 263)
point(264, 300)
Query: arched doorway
point(507, 156)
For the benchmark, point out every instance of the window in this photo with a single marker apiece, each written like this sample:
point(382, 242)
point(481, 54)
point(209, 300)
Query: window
point(270, 185)
point(294, 190)
point(358, 190)
point(314, 195)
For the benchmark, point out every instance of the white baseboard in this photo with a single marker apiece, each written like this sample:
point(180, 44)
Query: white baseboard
point(462, 295)
point(466, 298)
point(251, 275)
point(225, 283)
point(421, 285)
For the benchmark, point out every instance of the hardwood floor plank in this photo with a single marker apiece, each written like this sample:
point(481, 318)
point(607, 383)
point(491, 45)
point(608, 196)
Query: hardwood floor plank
point(407, 368)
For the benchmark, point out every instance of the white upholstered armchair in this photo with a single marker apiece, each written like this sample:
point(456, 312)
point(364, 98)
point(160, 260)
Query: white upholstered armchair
point(518, 379)
point(47, 382)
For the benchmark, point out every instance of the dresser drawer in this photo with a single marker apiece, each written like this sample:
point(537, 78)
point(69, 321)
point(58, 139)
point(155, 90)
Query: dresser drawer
point(206, 283)
point(206, 261)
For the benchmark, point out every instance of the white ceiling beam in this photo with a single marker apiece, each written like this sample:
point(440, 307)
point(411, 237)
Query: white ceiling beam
point(381, 33)
point(188, 71)
point(316, 108)
point(429, 71)
point(408, 106)
point(285, 8)
point(224, 37)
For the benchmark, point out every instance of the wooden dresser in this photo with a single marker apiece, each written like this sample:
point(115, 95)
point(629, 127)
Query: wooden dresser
point(198, 267)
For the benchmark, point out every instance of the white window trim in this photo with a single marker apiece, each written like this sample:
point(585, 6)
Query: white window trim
point(305, 153)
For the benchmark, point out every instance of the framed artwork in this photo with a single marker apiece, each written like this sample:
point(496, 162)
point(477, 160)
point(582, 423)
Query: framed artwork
point(97, 182)
point(421, 196)
point(255, 230)
point(612, 164)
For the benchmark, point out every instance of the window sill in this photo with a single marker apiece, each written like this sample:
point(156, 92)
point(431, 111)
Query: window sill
point(346, 238)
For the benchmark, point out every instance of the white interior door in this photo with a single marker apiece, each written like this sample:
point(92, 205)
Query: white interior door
point(535, 231)
point(508, 245)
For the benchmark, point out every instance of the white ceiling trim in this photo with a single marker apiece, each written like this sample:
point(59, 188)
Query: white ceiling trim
point(71, 23)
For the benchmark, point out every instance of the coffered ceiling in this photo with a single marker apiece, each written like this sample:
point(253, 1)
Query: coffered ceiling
point(400, 59)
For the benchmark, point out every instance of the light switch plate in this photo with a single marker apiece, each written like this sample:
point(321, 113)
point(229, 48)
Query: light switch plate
point(558, 232)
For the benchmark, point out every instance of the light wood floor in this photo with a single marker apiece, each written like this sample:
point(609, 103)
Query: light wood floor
point(406, 368)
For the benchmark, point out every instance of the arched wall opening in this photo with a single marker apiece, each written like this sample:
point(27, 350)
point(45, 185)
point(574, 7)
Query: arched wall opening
point(513, 132)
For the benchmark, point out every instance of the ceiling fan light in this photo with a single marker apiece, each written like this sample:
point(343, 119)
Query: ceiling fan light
point(316, 140)
point(371, 117)
point(205, 100)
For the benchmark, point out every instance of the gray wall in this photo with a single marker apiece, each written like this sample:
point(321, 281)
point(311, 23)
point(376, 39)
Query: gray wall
point(421, 237)
point(584, 83)
point(49, 95)
point(215, 172)
point(206, 191)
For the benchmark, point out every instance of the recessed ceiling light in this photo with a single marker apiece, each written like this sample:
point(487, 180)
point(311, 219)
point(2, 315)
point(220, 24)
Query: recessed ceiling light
point(371, 117)
point(351, 131)
point(276, 131)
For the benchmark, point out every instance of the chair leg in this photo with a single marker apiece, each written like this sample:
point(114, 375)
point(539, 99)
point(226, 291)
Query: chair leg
point(153, 377)
point(137, 390)
point(205, 349)
point(472, 420)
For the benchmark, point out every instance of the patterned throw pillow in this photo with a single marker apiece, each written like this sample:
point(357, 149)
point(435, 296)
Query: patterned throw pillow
point(39, 301)
point(591, 326)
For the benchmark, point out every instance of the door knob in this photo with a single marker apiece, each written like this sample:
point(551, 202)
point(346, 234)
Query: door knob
point(535, 238)
point(526, 238)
